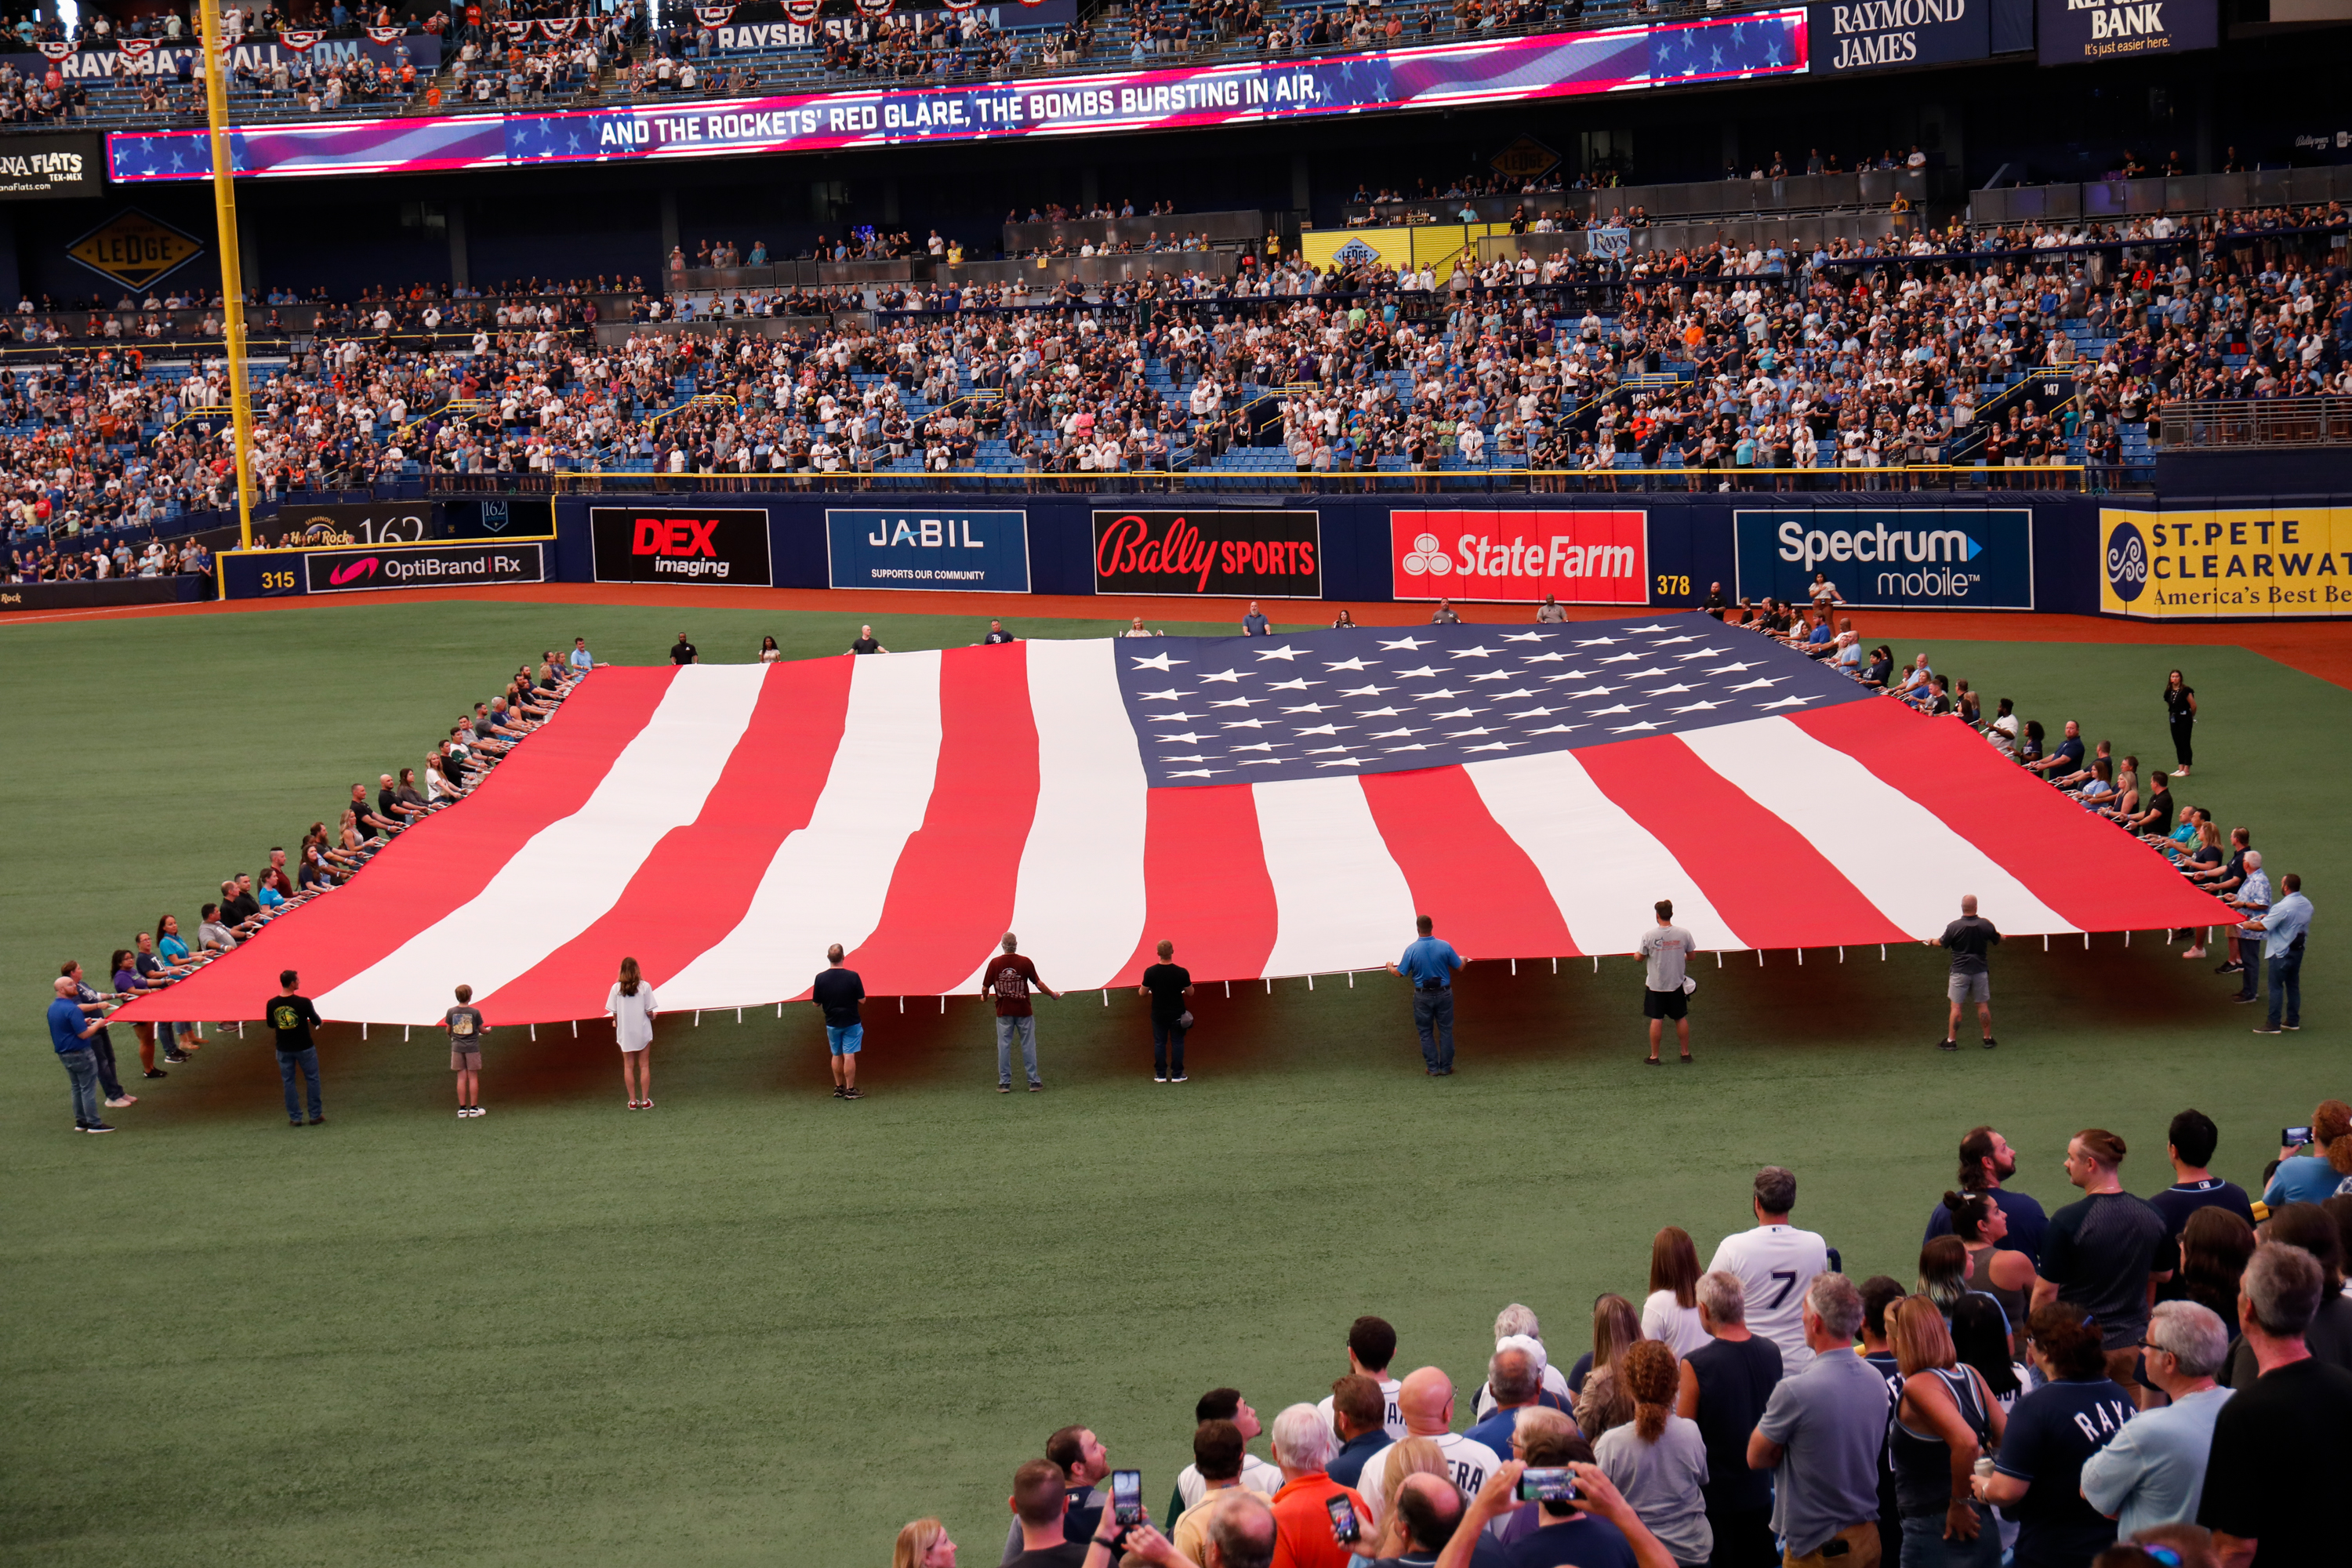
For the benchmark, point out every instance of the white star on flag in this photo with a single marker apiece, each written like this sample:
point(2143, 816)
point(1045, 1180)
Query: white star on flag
point(1413, 645)
point(1158, 661)
point(1285, 653)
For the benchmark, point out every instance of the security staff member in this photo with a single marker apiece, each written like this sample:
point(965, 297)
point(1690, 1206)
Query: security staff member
point(684, 652)
point(1431, 965)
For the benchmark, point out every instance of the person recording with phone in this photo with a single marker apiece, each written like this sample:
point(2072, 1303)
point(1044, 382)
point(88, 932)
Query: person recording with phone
point(1585, 1519)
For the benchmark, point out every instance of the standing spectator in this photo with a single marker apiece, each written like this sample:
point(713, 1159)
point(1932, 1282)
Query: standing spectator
point(1515, 1377)
point(581, 659)
point(291, 1015)
point(866, 642)
point(997, 634)
point(2328, 1335)
point(466, 1029)
point(1009, 978)
point(1666, 949)
point(1080, 1464)
point(1040, 1519)
point(1726, 1385)
point(1302, 1515)
point(1659, 1460)
point(2282, 1447)
point(1372, 1345)
point(1987, 1163)
point(1602, 1400)
point(1573, 1532)
point(1431, 965)
point(2181, 715)
point(2283, 926)
point(1821, 1434)
point(70, 1032)
point(1225, 1405)
point(1548, 613)
point(683, 651)
point(2153, 1471)
point(2190, 1144)
point(2037, 1475)
point(769, 652)
point(1218, 1454)
point(102, 1045)
point(1168, 982)
point(836, 993)
point(126, 980)
point(1970, 939)
point(1444, 614)
point(2303, 1174)
point(1670, 1314)
point(2102, 1250)
point(923, 1544)
point(1517, 1324)
point(1775, 1263)
point(1944, 1419)
point(632, 1007)
point(1358, 1417)
point(1426, 1401)
point(1254, 623)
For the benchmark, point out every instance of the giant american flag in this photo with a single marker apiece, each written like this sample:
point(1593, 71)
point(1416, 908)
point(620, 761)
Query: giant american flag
point(1276, 806)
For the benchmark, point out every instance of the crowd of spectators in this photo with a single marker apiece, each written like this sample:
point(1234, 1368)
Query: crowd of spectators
point(2122, 1382)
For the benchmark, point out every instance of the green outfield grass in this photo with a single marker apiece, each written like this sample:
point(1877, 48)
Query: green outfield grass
point(765, 1326)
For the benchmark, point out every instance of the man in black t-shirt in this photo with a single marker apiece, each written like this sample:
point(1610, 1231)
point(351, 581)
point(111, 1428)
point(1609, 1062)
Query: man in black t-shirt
point(1167, 984)
point(683, 651)
point(1726, 1383)
point(2283, 1446)
point(2100, 1252)
point(1969, 938)
point(291, 1015)
point(2190, 1142)
point(997, 634)
point(866, 642)
point(837, 992)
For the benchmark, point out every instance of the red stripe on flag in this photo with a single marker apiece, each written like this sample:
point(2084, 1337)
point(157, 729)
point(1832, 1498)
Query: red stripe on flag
point(696, 885)
point(437, 866)
point(2094, 873)
point(1205, 885)
point(1768, 883)
point(951, 897)
point(1467, 874)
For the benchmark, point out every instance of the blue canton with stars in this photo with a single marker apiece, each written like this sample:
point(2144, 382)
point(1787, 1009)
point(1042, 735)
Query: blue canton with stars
point(1372, 700)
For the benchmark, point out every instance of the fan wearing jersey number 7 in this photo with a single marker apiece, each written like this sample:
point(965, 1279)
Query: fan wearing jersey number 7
point(1774, 1263)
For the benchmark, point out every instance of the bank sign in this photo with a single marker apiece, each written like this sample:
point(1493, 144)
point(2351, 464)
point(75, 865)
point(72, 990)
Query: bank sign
point(2071, 32)
point(2226, 564)
point(975, 551)
point(1877, 35)
point(1889, 558)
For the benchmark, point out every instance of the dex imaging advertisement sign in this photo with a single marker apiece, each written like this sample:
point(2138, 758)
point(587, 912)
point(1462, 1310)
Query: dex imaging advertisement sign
point(977, 551)
point(2227, 563)
point(1578, 557)
point(1890, 557)
point(360, 571)
point(2070, 32)
point(1233, 555)
point(681, 544)
point(1875, 34)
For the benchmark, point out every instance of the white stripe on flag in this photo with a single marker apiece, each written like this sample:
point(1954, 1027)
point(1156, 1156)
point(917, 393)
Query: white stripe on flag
point(1604, 869)
point(827, 881)
point(1902, 856)
point(1339, 900)
point(571, 871)
point(1078, 905)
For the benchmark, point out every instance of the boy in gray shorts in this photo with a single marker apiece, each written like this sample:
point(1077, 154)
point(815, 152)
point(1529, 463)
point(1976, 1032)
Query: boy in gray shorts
point(466, 1031)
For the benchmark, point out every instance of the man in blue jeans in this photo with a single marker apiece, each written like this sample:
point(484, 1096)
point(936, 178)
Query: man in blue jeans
point(292, 1015)
point(1431, 965)
point(2283, 926)
point(70, 1031)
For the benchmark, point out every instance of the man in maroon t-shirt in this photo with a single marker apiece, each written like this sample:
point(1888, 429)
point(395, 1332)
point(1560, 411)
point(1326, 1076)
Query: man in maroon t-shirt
point(1009, 978)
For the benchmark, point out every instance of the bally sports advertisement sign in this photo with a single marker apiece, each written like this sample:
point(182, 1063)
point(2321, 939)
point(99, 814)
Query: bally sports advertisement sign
point(1909, 558)
point(2231, 562)
point(1216, 553)
point(1498, 557)
point(727, 546)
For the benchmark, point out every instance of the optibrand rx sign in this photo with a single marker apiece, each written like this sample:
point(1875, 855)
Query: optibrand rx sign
point(938, 548)
point(681, 544)
point(363, 570)
point(1889, 558)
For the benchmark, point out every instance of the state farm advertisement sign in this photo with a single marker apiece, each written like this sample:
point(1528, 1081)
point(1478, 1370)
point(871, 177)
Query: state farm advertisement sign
point(1519, 557)
point(1235, 554)
point(681, 544)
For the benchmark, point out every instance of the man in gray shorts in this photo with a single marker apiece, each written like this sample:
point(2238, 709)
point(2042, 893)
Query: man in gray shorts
point(1970, 938)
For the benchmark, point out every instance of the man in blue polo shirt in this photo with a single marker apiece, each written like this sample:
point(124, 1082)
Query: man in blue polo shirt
point(1431, 965)
point(70, 1031)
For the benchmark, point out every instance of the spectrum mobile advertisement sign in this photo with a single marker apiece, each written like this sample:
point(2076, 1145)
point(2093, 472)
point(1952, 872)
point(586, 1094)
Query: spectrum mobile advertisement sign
point(1514, 557)
point(2239, 560)
point(681, 544)
point(1554, 65)
point(973, 551)
point(1889, 558)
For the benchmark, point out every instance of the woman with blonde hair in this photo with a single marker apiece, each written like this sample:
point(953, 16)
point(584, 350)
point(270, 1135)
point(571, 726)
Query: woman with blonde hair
point(1386, 1471)
point(1671, 1313)
point(924, 1544)
point(1945, 1421)
point(1659, 1459)
point(632, 1007)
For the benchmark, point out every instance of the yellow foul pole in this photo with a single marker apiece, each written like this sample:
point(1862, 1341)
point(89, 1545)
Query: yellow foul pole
point(232, 277)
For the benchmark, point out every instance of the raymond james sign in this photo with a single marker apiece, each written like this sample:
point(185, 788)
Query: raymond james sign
point(2070, 32)
point(1874, 35)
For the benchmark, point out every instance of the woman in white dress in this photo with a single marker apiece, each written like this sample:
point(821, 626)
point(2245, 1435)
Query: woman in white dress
point(632, 1007)
point(1670, 1312)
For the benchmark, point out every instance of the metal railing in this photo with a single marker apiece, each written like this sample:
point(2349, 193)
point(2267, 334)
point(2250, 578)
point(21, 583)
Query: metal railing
point(2257, 422)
